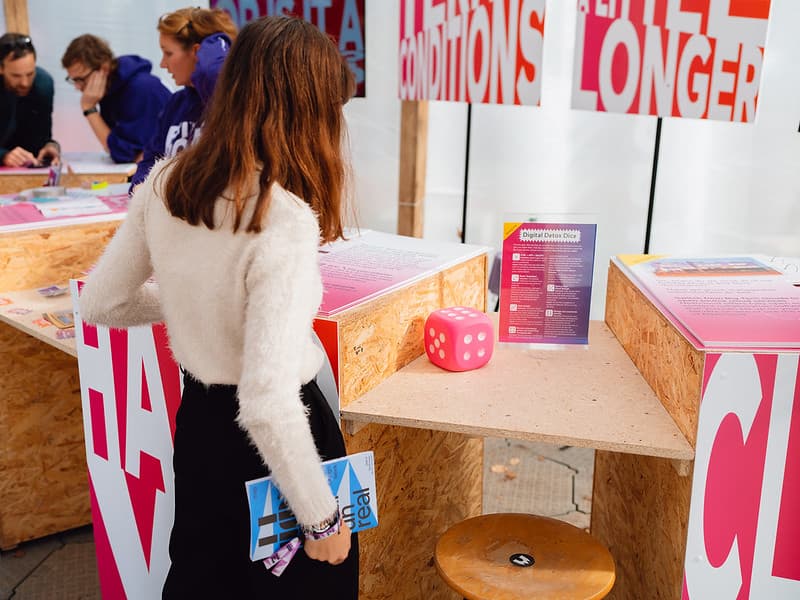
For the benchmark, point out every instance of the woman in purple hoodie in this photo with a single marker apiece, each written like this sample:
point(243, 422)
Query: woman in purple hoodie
point(120, 98)
point(194, 43)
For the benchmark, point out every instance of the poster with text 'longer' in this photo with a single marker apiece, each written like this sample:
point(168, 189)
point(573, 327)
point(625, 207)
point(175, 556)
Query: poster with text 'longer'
point(671, 58)
point(546, 282)
point(484, 51)
point(341, 19)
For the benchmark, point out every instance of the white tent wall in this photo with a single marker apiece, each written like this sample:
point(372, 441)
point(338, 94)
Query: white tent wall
point(129, 26)
point(721, 187)
point(735, 188)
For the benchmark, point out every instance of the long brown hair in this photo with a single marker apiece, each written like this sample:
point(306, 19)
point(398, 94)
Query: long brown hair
point(189, 26)
point(277, 109)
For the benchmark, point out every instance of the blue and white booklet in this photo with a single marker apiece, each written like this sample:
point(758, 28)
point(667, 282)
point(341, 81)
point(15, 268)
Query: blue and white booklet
point(272, 523)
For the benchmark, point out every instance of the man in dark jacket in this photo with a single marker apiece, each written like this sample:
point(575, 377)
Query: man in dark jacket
point(26, 106)
point(130, 98)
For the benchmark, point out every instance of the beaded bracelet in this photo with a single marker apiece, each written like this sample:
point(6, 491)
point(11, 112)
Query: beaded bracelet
point(323, 530)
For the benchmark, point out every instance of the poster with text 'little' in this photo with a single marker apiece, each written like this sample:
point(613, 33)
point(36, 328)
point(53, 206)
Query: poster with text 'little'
point(546, 282)
point(272, 523)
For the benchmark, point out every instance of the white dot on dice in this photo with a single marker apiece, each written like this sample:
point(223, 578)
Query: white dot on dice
point(432, 348)
point(436, 341)
point(441, 337)
point(481, 336)
point(431, 332)
point(481, 352)
point(468, 339)
point(441, 353)
point(467, 356)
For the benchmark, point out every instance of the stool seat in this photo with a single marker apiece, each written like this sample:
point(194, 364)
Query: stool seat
point(514, 556)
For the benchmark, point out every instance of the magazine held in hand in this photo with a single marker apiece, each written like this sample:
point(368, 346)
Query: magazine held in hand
point(272, 524)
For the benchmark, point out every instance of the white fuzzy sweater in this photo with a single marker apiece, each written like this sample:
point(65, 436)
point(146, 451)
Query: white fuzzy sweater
point(239, 309)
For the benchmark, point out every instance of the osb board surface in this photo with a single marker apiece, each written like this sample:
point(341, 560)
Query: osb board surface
point(426, 481)
point(587, 397)
point(38, 258)
point(32, 323)
point(667, 361)
point(640, 511)
point(12, 183)
point(385, 334)
point(43, 474)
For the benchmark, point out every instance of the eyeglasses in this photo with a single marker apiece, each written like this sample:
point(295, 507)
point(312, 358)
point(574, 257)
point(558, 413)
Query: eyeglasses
point(79, 80)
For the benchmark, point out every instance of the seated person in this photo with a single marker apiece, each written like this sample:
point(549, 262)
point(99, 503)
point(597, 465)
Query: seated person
point(194, 43)
point(26, 106)
point(130, 97)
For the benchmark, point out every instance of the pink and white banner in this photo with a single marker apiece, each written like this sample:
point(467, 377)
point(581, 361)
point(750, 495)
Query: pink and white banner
point(744, 521)
point(130, 391)
point(672, 58)
point(479, 51)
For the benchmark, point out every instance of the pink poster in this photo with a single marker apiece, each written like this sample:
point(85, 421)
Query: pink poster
point(671, 58)
point(343, 20)
point(744, 520)
point(484, 51)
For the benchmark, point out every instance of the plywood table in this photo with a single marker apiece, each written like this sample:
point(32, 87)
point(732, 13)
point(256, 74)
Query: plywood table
point(43, 487)
point(580, 396)
point(80, 168)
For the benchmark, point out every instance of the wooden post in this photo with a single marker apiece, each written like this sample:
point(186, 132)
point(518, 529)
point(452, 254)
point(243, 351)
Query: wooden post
point(413, 158)
point(16, 12)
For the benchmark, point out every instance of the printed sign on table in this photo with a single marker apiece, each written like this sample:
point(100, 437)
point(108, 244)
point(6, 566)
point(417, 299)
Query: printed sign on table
point(672, 58)
point(484, 51)
point(744, 522)
point(342, 19)
point(546, 282)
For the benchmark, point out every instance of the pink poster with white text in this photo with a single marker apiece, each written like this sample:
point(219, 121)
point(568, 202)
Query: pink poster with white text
point(744, 519)
point(671, 58)
point(483, 51)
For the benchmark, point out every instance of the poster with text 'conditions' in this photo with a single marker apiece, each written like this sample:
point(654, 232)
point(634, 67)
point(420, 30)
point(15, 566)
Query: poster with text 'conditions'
point(671, 58)
point(546, 282)
point(483, 51)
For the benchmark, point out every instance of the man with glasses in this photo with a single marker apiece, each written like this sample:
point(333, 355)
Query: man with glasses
point(26, 106)
point(120, 98)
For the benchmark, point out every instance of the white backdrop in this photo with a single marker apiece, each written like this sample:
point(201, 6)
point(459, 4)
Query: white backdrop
point(721, 187)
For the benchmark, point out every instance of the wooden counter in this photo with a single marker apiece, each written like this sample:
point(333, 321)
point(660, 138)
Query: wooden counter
point(576, 396)
point(43, 486)
point(81, 168)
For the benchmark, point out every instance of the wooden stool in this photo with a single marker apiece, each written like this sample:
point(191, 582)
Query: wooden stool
point(516, 556)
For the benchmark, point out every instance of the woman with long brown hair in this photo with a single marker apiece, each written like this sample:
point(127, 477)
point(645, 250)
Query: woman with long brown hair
point(230, 229)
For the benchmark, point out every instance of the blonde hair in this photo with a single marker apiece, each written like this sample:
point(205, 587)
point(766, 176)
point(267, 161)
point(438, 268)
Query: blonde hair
point(190, 26)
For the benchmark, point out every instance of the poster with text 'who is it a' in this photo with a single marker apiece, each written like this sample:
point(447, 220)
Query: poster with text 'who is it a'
point(343, 20)
point(483, 51)
point(671, 58)
point(546, 282)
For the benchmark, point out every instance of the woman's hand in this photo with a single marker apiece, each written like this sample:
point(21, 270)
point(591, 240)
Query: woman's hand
point(333, 549)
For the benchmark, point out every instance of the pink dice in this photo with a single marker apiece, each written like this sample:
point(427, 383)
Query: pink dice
point(459, 338)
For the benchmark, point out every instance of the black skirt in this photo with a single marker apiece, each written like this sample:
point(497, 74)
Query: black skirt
point(210, 536)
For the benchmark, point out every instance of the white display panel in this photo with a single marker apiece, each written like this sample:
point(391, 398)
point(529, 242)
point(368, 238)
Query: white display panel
point(731, 188)
point(549, 159)
point(721, 187)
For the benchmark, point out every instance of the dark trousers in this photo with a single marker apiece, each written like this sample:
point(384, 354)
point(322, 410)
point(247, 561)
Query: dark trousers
point(210, 537)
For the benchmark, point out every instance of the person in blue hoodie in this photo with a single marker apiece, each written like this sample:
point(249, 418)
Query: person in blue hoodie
point(194, 43)
point(120, 98)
